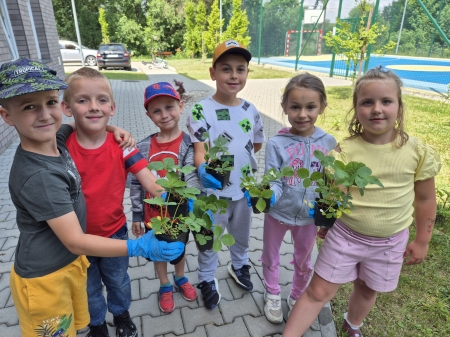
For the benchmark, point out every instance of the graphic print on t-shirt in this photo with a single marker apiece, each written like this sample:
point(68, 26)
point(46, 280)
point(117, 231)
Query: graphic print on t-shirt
point(72, 170)
point(54, 327)
point(245, 125)
point(197, 112)
point(223, 115)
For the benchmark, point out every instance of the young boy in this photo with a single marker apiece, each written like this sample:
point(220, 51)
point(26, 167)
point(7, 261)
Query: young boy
point(48, 279)
point(237, 120)
point(164, 107)
point(103, 168)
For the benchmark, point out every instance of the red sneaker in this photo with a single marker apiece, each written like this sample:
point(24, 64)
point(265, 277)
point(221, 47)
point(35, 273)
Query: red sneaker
point(166, 303)
point(187, 290)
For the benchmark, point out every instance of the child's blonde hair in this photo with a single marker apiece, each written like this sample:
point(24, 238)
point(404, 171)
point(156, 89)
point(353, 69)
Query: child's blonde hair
point(379, 74)
point(307, 81)
point(84, 73)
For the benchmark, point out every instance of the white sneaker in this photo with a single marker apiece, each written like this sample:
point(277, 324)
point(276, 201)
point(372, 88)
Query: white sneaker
point(290, 302)
point(272, 308)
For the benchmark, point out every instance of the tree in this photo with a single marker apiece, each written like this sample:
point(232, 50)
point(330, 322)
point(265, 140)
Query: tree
point(189, 36)
point(212, 35)
point(103, 25)
point(238, 27)
point(129, 32)
point(200, 25)
point(353, 43)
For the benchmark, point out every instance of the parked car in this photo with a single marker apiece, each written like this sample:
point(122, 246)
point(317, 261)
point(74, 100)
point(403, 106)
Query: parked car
point(113, 55)
point(71, 52)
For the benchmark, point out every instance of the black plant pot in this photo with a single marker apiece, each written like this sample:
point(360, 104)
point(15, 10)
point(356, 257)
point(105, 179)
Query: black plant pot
point(183, 210)
point(255, 210)
point(182, 237)
point(209, 243)
point(223, 178)
point(321, 220)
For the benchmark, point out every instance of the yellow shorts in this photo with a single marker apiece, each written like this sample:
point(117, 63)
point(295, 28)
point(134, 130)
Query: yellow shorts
point(55, 304)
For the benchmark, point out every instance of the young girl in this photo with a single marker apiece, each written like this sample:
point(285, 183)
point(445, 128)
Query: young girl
point(368, 245)
point(304, 99)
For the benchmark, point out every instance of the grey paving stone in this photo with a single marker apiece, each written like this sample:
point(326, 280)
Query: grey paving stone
point(236, 329)
point(238, 308)
point(164, 324)
point(10, 331)
point(199, 332)
point(260, 326)
point(195, 317)
point(8, 316)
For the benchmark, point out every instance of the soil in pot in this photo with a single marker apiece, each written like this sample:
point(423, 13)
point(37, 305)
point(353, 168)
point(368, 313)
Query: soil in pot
point(182, 237)
point(209, 243)
point(255, 210)
point(223, 178)
point(321, 220)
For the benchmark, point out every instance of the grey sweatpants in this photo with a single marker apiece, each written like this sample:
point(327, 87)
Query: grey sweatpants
point(237, 222)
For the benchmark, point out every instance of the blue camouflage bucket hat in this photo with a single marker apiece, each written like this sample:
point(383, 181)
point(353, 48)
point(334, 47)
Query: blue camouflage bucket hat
point(24, 76)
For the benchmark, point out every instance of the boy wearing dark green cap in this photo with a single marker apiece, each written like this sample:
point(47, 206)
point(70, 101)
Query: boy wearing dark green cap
point(48, 279)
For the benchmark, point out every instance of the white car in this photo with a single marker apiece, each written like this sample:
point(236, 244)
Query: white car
point(71, 52)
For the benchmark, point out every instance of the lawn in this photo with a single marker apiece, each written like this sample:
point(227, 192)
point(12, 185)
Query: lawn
point(123, 75)
point(199, 70)
point(421, 304)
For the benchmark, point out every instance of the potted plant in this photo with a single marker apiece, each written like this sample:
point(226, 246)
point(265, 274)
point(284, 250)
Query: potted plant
point(175, 221)
point(259, 189)
point(333, 187)
point(219, 161)
point(209, 236)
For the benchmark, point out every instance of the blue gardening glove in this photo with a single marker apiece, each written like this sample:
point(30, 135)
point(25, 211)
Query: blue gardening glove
point(248, 197)
point(190, 204)
point(273, 199)
point(150, 247)
point(164, 196)
point(208, 181)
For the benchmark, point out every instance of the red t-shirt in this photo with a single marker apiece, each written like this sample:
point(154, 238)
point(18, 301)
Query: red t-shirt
point(158, 152)
point(103, 174)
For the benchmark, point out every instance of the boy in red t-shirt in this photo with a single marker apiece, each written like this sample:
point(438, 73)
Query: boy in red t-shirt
point(164, 108)
point(103, 167)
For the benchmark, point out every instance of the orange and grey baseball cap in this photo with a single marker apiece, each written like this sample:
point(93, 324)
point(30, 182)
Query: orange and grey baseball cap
point(230, 46)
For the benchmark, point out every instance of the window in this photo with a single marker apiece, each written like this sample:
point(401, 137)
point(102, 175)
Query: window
point(33, 28)
point(70, 46)
point(7, 28)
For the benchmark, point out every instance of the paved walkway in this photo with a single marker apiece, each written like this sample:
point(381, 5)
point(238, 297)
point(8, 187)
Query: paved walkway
point(240, 313)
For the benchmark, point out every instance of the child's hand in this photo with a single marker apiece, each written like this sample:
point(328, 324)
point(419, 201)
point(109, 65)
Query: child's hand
point(137, 229)
point(124, 138)
point(208, 181)
point(416, 251)
point(322, 233)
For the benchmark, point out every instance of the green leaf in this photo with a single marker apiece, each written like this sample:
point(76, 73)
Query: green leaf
point(254, 193)
point(364, 171)
point(287, 171)
point(307, 183)
point(303, 173)
point(155, 201)
point(217, 231)
point(186, 169)
point(156, 165)
point(168, 162)
point(217, 245)
point(227, 239)
point(267, 194)
point(261, 204)
point(316, 176)
point(319, 155)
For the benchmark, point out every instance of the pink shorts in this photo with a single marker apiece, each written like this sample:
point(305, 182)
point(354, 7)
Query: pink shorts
point(346, 255)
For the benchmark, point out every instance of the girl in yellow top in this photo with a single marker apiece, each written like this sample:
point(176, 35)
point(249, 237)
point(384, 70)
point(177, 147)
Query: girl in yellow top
point(367, 246)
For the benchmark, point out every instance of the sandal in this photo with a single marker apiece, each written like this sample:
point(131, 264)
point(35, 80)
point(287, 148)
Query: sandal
point(351, 332)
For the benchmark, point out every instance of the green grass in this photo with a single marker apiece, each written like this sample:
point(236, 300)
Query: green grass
point(420, 306)
point(199, 70)
point(123, 75)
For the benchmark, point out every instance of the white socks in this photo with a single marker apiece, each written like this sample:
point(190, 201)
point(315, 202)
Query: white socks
point(354, 327)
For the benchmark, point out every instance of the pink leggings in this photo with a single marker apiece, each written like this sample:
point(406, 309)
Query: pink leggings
point(304, 238)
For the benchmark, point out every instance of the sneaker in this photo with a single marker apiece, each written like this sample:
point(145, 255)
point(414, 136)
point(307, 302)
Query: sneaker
point(241, 276)
point(350, 331)
point(210, 293)
point(187, 290)
point(272, 308)
point(125, 326)
point(98, 330)
point(291, 302)
point(166, 303)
